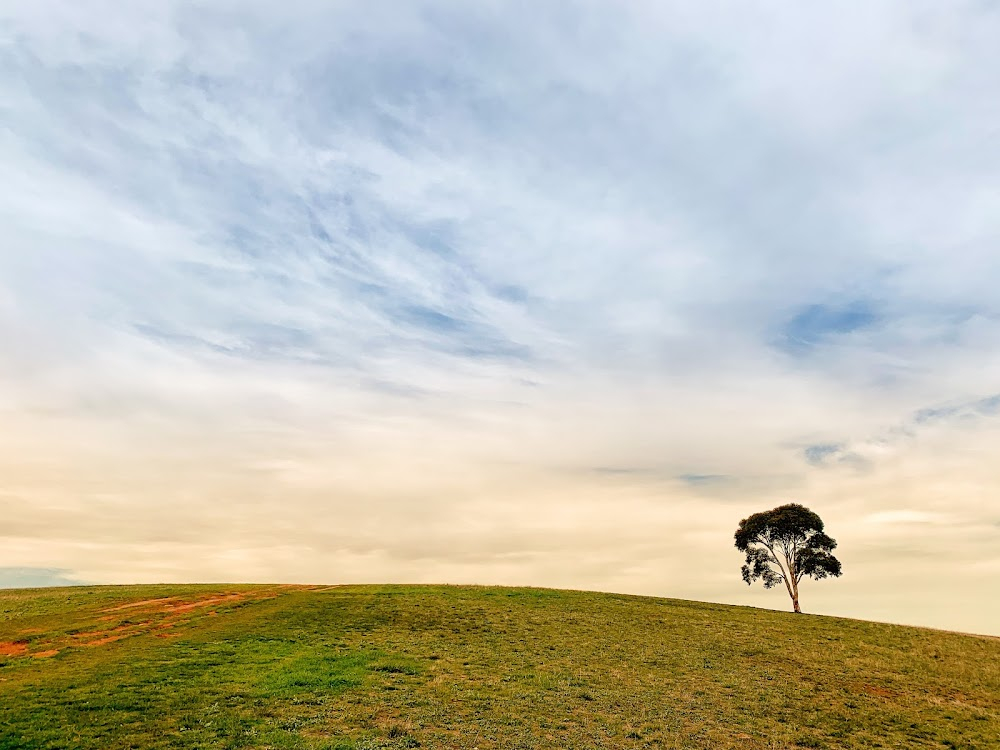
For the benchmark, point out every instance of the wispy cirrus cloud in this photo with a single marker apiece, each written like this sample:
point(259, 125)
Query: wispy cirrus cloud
point(398, 267)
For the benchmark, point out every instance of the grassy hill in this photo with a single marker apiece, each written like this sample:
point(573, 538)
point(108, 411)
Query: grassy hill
point(467, 667)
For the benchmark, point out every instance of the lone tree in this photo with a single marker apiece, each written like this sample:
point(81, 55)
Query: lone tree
point(785, 545)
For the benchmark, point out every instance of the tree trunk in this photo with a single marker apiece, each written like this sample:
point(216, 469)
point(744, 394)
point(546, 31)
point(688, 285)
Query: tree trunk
point(795, 597)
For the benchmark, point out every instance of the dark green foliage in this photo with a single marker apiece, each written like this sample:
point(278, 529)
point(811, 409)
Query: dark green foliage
point(785, 545)
point(758, 566)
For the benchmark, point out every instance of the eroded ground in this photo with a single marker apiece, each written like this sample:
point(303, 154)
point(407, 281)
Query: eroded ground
point(90, 626)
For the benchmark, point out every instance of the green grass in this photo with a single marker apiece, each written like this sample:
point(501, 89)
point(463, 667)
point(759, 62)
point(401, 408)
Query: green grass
point(361, 667)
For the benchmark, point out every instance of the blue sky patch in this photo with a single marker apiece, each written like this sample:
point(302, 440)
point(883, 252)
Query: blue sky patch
point(30, 578)
point(817, 454)
point(814, 324)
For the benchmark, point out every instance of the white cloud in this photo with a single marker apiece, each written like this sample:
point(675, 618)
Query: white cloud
point(521, 279)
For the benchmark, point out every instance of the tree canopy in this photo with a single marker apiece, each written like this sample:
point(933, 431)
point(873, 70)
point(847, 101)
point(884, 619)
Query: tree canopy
point(785, 545)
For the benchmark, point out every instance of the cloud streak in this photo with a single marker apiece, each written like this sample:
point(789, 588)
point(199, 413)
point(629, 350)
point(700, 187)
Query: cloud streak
point(495, 293)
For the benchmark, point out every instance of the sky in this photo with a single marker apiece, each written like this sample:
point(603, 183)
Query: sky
point(546, 294)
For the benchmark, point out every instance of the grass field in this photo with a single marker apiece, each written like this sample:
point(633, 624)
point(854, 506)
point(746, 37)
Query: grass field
point(466, 667)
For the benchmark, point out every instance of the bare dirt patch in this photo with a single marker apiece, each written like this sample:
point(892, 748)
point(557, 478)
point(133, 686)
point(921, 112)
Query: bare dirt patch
point(210, 602)
point(107, 639)
point(12, 648)
point(143, 603)
point(158, 615)
point(124, 628)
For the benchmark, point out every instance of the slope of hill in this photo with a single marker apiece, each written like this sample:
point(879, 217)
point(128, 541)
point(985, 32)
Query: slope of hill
point(467, 667)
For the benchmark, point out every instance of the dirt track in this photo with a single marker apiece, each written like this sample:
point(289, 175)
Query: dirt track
point(157, 616)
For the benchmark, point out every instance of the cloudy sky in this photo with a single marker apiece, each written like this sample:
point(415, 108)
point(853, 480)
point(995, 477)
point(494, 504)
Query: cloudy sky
point(502, 292)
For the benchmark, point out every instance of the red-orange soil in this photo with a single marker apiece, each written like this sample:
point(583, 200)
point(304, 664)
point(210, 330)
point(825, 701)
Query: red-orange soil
point(10, 648)
point(158, 615)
